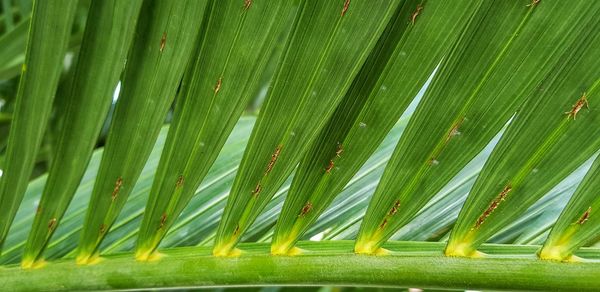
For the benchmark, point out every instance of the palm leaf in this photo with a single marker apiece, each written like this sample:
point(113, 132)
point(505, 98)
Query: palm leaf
point(166, 33)
point(520, 163)
point(47, 43)
point(234, 54)
point(97, 72)
point(465, 107)
point(576, 226)
point(291, 121)
point(385, 86)
point(424, 132)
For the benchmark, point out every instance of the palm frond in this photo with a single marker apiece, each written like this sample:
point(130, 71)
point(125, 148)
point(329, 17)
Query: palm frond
point(404, 143)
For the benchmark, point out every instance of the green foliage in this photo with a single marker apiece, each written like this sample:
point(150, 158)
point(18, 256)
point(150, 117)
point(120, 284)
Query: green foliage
point(207, 92)
point(576, 226)
point(391, 77)
point(97, 72)
point(318, 65)
point(47, 42)
point(163, 44)
point(548, 139)
point(397, 140)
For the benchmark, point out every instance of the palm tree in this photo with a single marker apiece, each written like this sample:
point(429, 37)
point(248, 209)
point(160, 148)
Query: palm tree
point(400, 143)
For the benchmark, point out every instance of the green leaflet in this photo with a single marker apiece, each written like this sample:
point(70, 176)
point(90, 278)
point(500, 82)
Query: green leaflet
point(205, 206)
point(404, 58)
point(165, 37)
point(351, 202)
point(236, 45)
point(505, 51)
point(95, 77)
point(329, 43)
point(578, 224)
point(550, 137)
point(12, 44)
point(8, 17)
point(48, 37)
point(539, 218)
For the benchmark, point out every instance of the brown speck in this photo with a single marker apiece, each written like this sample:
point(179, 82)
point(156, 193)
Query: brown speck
point(346, 6)
point(307, 208)
point(163, 42)
point(581, 102)
point(413, 16)
point(163, 220)
point(383, 224)
point(339, 150)
point(236, 230)
point(533, 3)
point(274, 157)
point(118, 185)
point(256, 190)
point(394, 209)
point(492, 207)
point(247, 4)
point(454, 130)
point(585, 216)
point(218, 85)
point(180, 181)
point(52, 224)
point(102, 228)
point(329, 166)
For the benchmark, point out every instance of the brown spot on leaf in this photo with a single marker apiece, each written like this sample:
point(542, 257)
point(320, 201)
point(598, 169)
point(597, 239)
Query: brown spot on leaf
point(180, 181)
point(163, 42)
point(413, 16)
point(102, 228)
point(256, 190)
point(492, 207)
point(329, 166)
point(394, 209)
point(274, 157)
point(339, 150)
point(163, 220)
point(52, 224)
point(383, 224)
point(307, 208)
point(585, 216)
point(581, 102)
point(218, 85)
point(454, 130)
point(118, 185)
point(346, 6)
